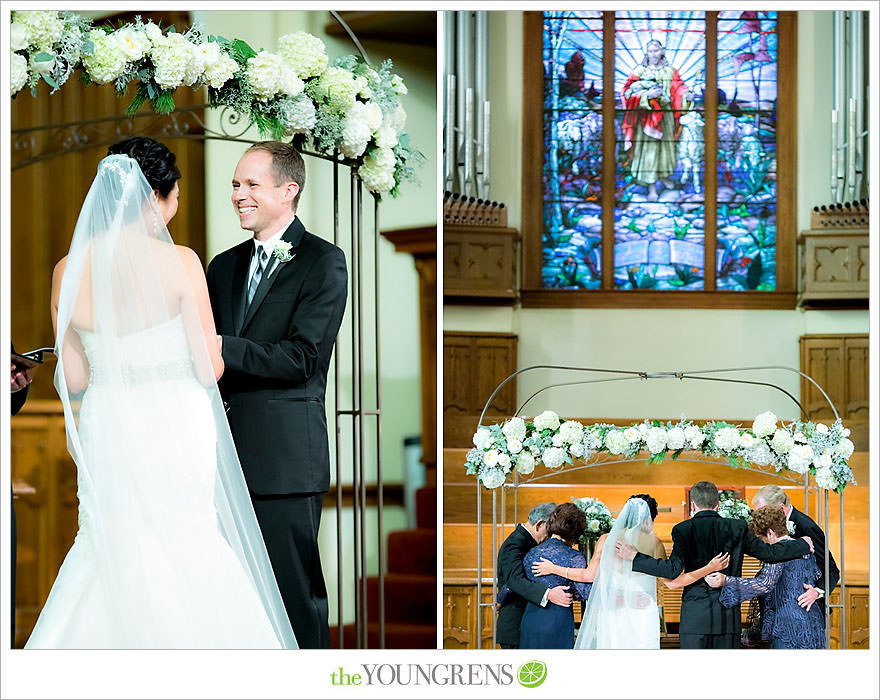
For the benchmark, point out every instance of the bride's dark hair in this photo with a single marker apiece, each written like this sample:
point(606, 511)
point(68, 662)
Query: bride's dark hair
point(157, 162)
point(650, 500)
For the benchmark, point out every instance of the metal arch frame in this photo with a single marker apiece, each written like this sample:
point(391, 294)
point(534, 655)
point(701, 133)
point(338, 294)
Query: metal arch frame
point(822, 496)
point(185, 123)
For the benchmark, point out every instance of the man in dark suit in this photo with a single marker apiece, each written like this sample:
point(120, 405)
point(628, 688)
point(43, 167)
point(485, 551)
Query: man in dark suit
point(278, 301)
point(773, 495)
point(20, 381)
point(511, 574)
point(705, 623)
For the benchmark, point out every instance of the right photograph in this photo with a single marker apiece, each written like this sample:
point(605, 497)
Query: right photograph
point(655, 329)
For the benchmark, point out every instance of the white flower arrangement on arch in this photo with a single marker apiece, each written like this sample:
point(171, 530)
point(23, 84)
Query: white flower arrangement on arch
point(342, 105)
point(520, 444)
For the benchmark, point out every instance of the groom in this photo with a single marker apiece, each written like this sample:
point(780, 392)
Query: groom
point(278, 301)
point(705, 623)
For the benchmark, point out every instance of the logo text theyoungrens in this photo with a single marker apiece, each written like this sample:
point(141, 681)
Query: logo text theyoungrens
point(425, 674)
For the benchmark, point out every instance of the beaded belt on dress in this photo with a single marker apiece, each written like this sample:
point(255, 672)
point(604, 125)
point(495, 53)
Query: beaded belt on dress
point(143, 374)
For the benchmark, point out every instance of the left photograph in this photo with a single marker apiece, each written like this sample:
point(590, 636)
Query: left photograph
point(223, 318)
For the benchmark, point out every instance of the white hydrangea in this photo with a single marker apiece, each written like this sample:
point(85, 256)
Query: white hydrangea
point(373, 115)
point(825, 478)
point(262, 74)
point(727, 439)
point(514, 446)
point(154, 33)
point(782, 441)
point(800, 437)
point(298, 114)
point(655, 440)
point(396, 119)
point(386, 137)
point(571, 431)
point(133, 43)
point(377, 170)
point(17, 72)
point(553, 457)
point(176, 60)
point(525, 463)
point(759, 453)
point(219, 67)
point(491, 458)
point(632, 434)
point(339, 87)
point(18, 36)
point(643, 429)
point(107, 60)
point(398, 85)
point(616, 442)
point(844, 448)
point(483, 438)
point(675, 439)
point(556, 441)
point(514, 429)
point(356, 132)
point(799, 458)
point(304, 53)
point(548, 420)
point(822, 461)
point(289, 83)
point(765, 424)
point(694, 436)
point(492, 477)
point(577, 449)
point(44, 28)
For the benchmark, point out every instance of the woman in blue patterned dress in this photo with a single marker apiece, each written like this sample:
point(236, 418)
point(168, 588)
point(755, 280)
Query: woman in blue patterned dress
point(785, 624)
point(552, 626)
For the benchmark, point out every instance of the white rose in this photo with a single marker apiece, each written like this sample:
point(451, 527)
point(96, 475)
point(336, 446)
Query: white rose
point(675, 438)
point(553, 457)
point(483, 438)
point(799, 458)
point(765, 424)
point(844, 448)
point(355, 132)
point(17, 72)
point(386, 137)
point(643, 429)
point(825, 479)
point(133, 43)
point(18, 36)
point(43, 67)
point(594, 526)
point(782, 441)
point(747, 440)
point(846, 432)
point(655, 440)
point(576, 449)
point(822, 461)
point(525, 463)
point(548, 420)
point(571, 432)
point(504, 461)
point(632, 434)
point(821, 428)
point(491, 458)
point(697, 441)
point(514, 429)
point(514, 446)
point(727, 439)
point(154, 34)
point(492, 478)
point(800, 437)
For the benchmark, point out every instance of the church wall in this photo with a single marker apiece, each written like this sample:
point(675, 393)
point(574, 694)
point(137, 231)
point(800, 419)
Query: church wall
point(650, 339)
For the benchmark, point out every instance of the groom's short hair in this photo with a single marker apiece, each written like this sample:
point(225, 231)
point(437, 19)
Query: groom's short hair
point(541, 512)
point(287, 164)
point(704, 494)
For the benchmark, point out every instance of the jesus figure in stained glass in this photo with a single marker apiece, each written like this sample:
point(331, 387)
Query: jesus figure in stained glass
point(654, 97)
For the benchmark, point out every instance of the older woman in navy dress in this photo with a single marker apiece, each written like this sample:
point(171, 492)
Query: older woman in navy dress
point(552, 626)
point(785, 624)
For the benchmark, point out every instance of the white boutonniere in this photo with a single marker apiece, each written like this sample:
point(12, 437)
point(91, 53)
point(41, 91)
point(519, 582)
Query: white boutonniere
point(281, 253)
point(790, 526)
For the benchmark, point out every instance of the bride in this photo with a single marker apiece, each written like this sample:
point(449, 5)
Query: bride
point(168, 553)
point(622, 608)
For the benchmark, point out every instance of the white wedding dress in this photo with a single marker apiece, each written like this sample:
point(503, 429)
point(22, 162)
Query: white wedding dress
point(622, 608)
point(168, 553)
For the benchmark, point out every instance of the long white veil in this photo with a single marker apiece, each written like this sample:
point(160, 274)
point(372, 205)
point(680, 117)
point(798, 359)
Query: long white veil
point(616, 616)
point(158, 475)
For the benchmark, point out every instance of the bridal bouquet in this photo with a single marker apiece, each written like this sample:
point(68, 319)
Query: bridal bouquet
point(802, 447)
point(599, 518)
point(341, 106)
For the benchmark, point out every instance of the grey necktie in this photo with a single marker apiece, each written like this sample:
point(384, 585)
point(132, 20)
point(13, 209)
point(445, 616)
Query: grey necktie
point(258, 274)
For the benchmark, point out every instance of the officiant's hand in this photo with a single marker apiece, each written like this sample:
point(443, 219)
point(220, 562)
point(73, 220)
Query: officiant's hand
point(716, 580)
point(809, 542)
point(624, 550)
point(806, 600)
point(559, 596)
point(20, 377)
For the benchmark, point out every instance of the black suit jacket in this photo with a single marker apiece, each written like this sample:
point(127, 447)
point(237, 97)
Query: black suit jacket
point(804, 525)
point(522, 590)
point(694, 543)
point(277, 353)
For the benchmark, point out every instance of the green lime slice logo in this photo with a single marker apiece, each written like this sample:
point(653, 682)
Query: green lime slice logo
point(532, 673)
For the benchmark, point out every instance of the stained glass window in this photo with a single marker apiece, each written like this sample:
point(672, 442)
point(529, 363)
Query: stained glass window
point(652, 231)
